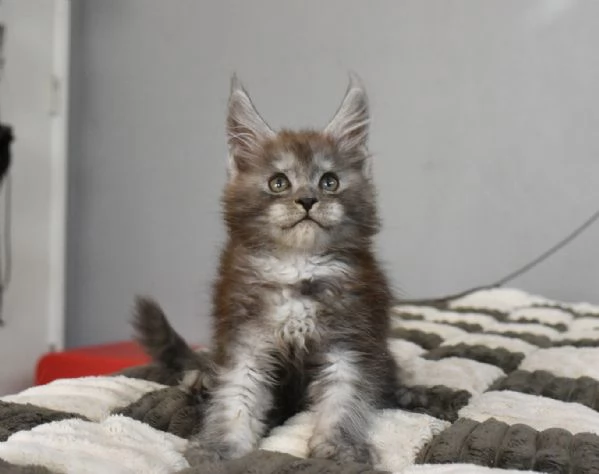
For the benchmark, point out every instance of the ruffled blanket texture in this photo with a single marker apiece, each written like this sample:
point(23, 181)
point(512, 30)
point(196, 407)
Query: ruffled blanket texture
point(497, 381)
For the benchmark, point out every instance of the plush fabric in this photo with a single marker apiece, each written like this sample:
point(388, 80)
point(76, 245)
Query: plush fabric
point(496, 381)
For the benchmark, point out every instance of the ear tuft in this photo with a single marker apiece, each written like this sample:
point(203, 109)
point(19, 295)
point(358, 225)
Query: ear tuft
point(246, 129)
point(349, 126)
point(235, 83)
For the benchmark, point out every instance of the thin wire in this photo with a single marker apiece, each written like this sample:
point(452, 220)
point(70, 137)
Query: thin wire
point(5, 254)
point(551, 251)
point(516, 273)
point(7, 247)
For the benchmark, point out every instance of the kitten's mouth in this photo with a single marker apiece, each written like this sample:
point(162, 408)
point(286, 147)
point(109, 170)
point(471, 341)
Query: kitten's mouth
point(304, 219)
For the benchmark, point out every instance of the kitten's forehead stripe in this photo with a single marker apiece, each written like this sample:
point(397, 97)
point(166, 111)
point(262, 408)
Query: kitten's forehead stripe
point(302, 147)
point(323, 160)
point(284, 162)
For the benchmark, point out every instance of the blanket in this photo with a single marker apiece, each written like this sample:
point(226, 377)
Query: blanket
point(496, 381)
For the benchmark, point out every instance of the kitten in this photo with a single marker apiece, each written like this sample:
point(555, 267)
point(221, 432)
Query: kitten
point(300, 304)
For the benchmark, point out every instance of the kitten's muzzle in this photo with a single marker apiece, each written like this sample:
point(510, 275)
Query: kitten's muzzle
point(307, 217)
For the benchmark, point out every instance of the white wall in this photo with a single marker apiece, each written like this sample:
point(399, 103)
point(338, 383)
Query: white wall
point(485, 119)
point(25, 103)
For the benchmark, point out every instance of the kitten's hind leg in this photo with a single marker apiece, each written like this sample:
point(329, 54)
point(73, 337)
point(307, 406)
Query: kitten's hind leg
point(342, 403)
point(235, 419)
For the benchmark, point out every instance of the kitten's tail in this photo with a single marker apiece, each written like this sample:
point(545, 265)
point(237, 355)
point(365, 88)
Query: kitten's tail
point(158, 338)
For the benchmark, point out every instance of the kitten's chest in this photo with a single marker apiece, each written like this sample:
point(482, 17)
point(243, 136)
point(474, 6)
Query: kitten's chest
point(292, 317)
point(293, 295)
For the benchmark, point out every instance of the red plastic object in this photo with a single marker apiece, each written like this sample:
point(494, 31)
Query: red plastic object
point(93, 360)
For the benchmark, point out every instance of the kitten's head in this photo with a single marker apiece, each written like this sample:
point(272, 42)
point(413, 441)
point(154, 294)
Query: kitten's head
point(306, 190)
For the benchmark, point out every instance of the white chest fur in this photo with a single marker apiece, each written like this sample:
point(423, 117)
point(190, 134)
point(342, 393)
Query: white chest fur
point(292, 315)
point(292, 269)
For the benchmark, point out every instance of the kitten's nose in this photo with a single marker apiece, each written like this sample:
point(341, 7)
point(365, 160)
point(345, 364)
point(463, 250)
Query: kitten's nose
point(306, 202)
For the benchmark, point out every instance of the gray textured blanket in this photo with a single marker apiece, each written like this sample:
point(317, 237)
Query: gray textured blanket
point(495, 379)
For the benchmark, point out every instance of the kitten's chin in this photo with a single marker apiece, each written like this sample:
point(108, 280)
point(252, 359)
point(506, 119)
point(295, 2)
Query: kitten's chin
point(306, 235)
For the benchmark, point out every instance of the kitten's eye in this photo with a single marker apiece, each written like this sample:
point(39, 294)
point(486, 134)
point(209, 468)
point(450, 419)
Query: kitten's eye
point(329, 182)
point(278, 183)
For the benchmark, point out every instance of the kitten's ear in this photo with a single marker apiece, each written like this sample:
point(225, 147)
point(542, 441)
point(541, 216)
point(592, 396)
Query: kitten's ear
point(349, 127)
point(246, 130)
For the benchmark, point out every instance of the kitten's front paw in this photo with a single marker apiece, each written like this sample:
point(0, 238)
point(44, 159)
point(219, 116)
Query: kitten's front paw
point(196, 454)
point(339, 449)
point(201, 451)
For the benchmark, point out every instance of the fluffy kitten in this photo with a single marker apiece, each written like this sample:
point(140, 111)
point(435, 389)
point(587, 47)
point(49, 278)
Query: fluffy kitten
point(300, 303)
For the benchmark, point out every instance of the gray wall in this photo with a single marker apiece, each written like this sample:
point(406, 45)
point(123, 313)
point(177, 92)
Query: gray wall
point(26, 103)
point(485, 133)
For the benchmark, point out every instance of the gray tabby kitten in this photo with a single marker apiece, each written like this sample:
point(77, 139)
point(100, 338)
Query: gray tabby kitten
point(301, 306)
